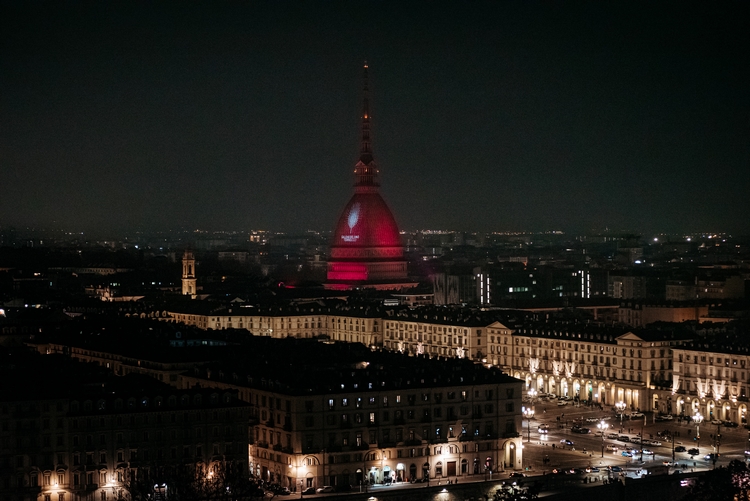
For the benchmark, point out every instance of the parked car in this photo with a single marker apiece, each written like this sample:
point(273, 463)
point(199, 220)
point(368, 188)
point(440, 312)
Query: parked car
point(324, 489)
point(716, 421)
point(615, 468)
point(730, 424)
point(611, 448)
point(565, 441)
point(517, 474)
point(561, 403)
point(613, 436)
point(634, 415)
point(680, 448)
point(623, 438)
point(309, 490)
point(693, 451)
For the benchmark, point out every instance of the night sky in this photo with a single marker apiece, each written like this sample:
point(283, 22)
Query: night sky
point(502, 116)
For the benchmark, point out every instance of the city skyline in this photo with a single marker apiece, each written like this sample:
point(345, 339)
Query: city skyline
point(499, 117)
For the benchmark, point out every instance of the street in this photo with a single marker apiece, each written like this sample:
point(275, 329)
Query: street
point(545, 451)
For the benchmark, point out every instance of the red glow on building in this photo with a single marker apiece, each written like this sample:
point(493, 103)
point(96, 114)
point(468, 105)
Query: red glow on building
point(366, 249)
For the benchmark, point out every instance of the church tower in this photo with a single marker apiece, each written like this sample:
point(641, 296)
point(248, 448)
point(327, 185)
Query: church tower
point(366, 249)
point(189, 282)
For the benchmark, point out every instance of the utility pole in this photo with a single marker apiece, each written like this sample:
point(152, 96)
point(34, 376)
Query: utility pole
point(673, 447)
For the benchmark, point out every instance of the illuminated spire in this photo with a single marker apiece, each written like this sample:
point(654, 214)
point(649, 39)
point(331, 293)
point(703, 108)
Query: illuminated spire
point(366, 149)
point(366, 172)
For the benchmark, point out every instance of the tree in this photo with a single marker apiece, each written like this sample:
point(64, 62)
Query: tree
point(726, 483)
point(193, 482)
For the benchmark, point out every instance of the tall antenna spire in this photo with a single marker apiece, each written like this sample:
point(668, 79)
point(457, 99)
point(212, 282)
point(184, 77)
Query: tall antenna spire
point(366, 172)
point(365, 155)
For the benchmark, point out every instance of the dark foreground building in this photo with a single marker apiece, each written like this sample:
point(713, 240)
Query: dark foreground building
point(71, 431)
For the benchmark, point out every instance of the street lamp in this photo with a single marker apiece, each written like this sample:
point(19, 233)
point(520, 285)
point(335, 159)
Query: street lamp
point(698, 419)
point(620, 406)
point(602, 426)
point(528, 413)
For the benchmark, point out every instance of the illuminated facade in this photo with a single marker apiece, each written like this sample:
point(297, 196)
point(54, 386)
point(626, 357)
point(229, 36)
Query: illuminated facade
point(366, 249)
point(713, 380)
point(380, 422)
point(604, 367)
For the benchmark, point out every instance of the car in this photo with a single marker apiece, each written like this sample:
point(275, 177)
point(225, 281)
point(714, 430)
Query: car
point(309, 490)
point(623, 438)
point(668, 463)
point(648, 452)
point(517, 474)
point(565, 441)
point(594, 469)
point(680, 448)
point(543, 428)
point(325, 489)
point(613, 436)
point(655, 442)
point(611, 448)
point(627, 454)
point(730, 424)
point(711, 457)
point(716, 421)
point(562, 403)
point(592, 419)
point(615, 468)
point(634, 415)
point(664, 417)
point(578, 429)
point(693, 451)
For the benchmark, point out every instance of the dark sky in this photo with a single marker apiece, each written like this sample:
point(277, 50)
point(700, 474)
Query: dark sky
point(497, 116)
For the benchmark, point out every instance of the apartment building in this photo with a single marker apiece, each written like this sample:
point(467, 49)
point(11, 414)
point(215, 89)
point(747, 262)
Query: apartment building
point(338, 414)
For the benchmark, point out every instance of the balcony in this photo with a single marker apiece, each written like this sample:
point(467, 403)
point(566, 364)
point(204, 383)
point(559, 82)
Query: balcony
point(262, 445)
point(412, 443)
point(511, 434)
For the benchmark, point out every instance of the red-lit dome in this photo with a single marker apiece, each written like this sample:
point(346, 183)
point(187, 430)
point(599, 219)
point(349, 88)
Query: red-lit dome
point(366, 248)
point(366, 222)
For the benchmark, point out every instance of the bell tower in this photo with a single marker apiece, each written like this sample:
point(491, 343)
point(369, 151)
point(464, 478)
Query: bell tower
point(189, 282)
